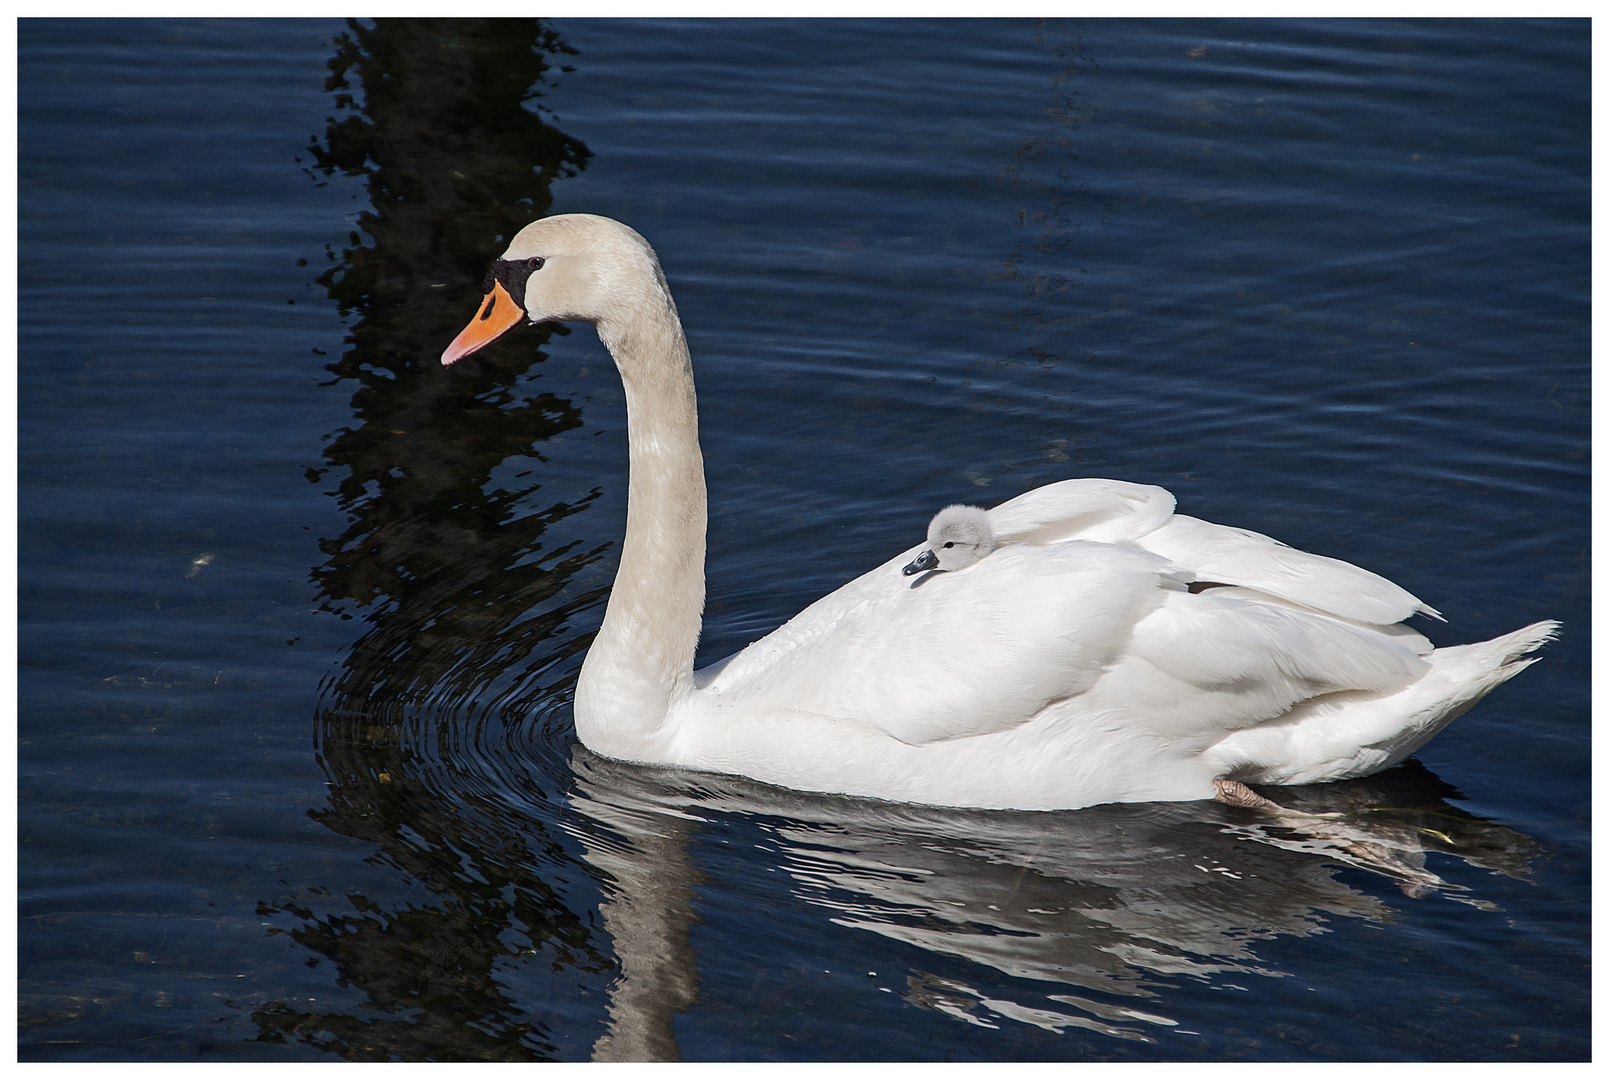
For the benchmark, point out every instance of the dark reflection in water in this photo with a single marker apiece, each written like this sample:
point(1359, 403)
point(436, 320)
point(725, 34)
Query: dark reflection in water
point(444, 561)
point(442, 557)
point(430, 968)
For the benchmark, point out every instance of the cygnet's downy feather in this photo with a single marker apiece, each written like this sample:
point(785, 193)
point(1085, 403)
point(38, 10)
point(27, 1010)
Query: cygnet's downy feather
point(957, 537)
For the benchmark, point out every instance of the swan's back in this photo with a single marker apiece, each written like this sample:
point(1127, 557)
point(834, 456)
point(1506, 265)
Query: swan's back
point(1074, 607)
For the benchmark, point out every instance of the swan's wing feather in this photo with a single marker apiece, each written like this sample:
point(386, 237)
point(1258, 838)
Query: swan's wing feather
point(1114, 511)
point(966, 653)
point(1215, 640)
point(1241, 557)
point(1108, 511)
point(1401, 632)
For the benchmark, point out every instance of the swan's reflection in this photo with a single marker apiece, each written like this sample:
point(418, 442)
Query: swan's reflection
point(1117, 902)
point(642, 848)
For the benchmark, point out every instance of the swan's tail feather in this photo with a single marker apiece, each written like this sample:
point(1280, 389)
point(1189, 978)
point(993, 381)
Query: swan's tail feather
point(1528, 640)
point(1346, 735)
point(1486, 665)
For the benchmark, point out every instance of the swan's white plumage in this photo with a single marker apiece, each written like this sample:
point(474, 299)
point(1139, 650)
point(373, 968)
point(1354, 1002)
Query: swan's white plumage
point(1255, 561)
point(963, 654)
point(1107, 650)
point(1073, 633)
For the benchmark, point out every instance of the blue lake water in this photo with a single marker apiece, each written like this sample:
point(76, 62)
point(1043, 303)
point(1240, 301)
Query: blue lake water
point(300, 611)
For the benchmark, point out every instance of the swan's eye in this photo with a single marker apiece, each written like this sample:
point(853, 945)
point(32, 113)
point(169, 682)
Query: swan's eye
point(535, 263)
point(949, 543)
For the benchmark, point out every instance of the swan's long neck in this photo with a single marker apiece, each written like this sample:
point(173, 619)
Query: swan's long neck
point(642, 659)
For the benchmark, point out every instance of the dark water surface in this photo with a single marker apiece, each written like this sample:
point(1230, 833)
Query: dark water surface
point(300, 611)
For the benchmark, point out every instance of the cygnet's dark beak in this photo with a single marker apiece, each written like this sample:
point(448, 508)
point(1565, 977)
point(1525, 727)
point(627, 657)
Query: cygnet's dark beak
point(925, 561)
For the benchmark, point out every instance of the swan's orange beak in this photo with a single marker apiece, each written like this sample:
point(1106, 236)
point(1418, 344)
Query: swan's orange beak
point(498, 315)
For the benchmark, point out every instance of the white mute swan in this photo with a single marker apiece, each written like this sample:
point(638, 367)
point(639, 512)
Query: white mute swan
point(1109, 650)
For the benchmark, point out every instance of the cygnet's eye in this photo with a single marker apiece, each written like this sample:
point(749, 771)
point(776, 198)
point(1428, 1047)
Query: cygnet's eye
point(535, 262)
point(949, 543)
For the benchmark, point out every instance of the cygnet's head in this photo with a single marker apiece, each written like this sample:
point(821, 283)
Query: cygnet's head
point(957, 537)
